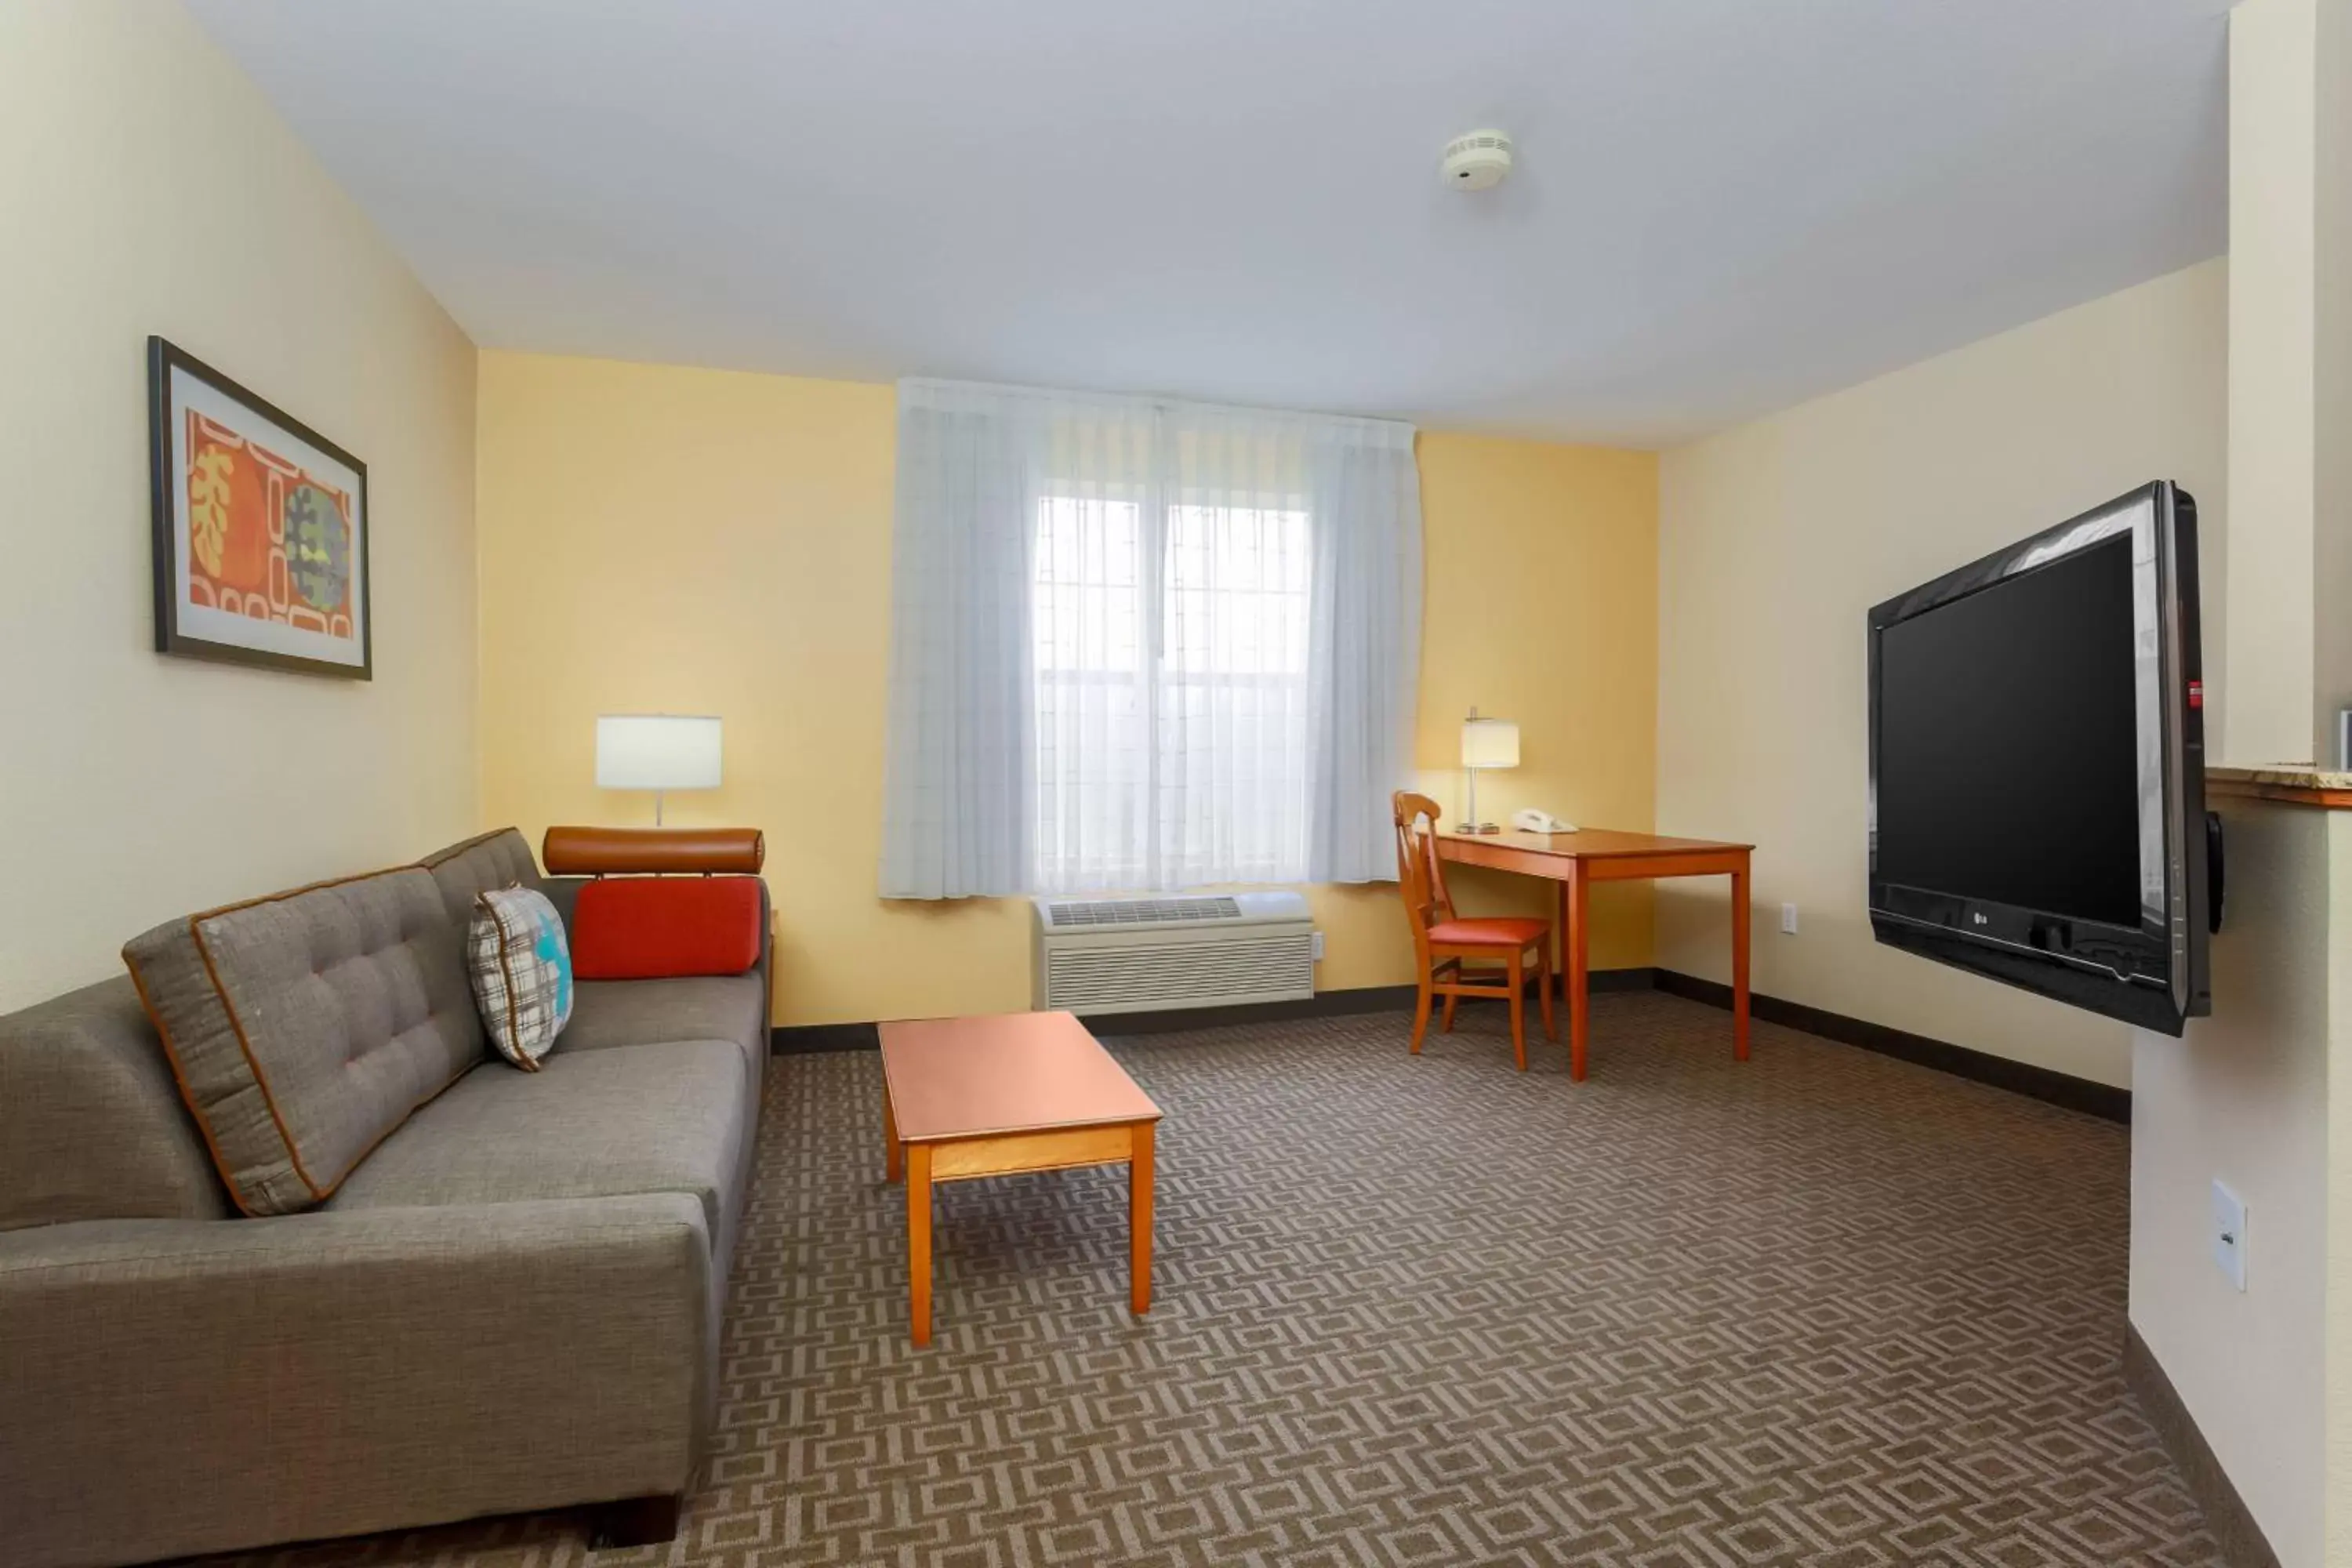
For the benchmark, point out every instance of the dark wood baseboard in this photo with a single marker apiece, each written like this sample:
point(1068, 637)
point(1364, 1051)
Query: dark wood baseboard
point(810, 1039)
point(1643, 978)
point(2059, 1088)
point(800, 1039)
point(1322, 1005)
point(2090, 1097)
point(2226, 1516)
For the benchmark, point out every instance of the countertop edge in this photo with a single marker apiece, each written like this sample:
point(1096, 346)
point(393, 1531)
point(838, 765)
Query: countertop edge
point(2286, 783)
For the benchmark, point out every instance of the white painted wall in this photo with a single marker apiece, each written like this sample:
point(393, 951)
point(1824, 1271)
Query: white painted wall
point(148, 188)
point(1775, 537)
point(2242, 1098)
point(2336, 1283)
point(2272, 219)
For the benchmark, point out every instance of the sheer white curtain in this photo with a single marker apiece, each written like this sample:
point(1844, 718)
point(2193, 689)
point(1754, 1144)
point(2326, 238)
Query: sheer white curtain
point(1142, 645)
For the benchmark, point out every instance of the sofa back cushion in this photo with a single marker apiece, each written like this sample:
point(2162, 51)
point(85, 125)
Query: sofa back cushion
point(662, 928)
point(91, 1126)
point(304, 1028)
point(499, 858)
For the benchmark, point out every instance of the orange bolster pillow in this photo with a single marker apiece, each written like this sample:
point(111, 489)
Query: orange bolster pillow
point(624, 851)
point(656, 928)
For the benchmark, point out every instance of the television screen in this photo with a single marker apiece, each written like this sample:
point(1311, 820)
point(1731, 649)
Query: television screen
point(2008, 761)
point(2037, 765)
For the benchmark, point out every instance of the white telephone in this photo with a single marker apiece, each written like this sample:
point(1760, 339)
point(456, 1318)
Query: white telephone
point(1530, 820)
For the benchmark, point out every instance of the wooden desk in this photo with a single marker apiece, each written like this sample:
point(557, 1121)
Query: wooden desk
point(1575, 861)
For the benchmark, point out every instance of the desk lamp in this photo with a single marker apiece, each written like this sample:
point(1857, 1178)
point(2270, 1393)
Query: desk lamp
point(659, 752)
point(1486, 744)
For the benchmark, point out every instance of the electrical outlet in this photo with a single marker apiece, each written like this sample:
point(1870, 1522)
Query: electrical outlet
point(1317, 949)
point(1787, 919)
point(2229, 1234)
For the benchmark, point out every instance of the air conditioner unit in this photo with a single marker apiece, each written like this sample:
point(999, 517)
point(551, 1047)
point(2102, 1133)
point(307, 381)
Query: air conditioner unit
point(1131, 955)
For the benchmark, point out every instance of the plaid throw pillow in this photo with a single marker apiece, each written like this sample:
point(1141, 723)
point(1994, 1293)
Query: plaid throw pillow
point(521, 973)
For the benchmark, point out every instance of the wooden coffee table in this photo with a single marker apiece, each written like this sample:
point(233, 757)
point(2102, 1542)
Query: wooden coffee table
point(1018, 1091)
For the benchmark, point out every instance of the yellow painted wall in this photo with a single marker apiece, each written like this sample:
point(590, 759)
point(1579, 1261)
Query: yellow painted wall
point(1540, 603)
point(662, 539)
point(148, 187)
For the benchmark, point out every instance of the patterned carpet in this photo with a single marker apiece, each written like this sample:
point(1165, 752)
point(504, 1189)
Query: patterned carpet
point(1823, 1309)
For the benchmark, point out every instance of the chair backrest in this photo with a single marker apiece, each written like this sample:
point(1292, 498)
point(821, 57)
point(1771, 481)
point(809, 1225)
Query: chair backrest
point(1419, 875)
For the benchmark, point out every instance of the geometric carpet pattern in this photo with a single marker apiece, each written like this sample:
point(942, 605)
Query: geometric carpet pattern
point(1825, 1308)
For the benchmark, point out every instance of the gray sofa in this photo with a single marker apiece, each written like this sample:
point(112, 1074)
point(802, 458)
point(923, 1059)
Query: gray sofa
point(510, 1302)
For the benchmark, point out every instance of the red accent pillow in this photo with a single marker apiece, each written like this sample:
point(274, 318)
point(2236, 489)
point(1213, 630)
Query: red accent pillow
point(651, 927)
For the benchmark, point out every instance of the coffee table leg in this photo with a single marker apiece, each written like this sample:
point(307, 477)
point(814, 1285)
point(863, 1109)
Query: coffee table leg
point(890, 1146)
point(918, 1240)
point(1138, 1220)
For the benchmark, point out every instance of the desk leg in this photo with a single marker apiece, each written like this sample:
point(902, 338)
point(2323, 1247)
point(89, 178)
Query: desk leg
point(892, 1151)
point(918, 1241)
point(1740, 962)
point(1138, 1220)
point(1576, 908)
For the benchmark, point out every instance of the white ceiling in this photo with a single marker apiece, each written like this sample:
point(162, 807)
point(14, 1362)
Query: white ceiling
point(1721, 207)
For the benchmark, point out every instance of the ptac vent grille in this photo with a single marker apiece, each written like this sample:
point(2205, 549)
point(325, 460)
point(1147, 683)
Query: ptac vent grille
point(1133, 979)
point(1085, 914)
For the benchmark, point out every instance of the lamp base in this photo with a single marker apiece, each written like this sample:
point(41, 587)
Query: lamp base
point(1470, 806)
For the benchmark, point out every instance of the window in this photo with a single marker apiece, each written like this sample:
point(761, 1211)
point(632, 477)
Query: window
point(1138, 644)
point(1172, 696)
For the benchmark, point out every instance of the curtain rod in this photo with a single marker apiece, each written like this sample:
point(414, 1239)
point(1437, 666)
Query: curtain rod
point(1134, 402)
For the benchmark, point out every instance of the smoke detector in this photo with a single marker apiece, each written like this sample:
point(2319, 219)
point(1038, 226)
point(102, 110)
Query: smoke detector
point(1477, 160)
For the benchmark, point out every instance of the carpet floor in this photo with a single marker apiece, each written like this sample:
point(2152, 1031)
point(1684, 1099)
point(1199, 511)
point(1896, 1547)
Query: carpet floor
point(1823, 1309)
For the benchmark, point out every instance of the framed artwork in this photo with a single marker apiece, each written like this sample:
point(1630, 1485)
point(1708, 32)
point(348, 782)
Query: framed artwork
point(261, 527)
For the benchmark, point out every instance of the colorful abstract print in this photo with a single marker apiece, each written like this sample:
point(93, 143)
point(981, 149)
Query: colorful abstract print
point(266, 538)
point(521, 968)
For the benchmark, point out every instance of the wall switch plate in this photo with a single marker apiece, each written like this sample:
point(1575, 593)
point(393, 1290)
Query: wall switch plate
point(1787, 919)
point(1318, 949)
point(2229, 1234)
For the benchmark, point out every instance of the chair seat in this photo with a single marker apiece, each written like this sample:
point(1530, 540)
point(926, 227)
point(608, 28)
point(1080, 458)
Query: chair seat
point(1488, 931)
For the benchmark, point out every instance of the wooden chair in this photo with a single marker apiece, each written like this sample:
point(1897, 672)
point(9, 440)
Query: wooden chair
point(1446, 944)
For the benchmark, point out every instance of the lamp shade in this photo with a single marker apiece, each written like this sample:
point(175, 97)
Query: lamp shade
point(1490, 744)
point(657, 751)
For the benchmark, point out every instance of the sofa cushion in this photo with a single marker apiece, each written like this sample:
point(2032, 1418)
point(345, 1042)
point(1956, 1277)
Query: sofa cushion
point(91, 1126)
point(654, 1119)
point(499, 858)
point(521, 973)
point(305, 1027)
point(732, 1007)
point(666, 928)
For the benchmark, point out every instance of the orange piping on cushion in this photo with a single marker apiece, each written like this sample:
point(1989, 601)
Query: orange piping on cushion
point(188, 1096)
point(293, 1151)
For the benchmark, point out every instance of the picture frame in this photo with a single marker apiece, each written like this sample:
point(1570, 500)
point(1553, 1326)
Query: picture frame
point(261, 528)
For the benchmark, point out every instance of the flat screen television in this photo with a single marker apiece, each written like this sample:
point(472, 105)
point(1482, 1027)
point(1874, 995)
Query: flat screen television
point(2037, 765)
